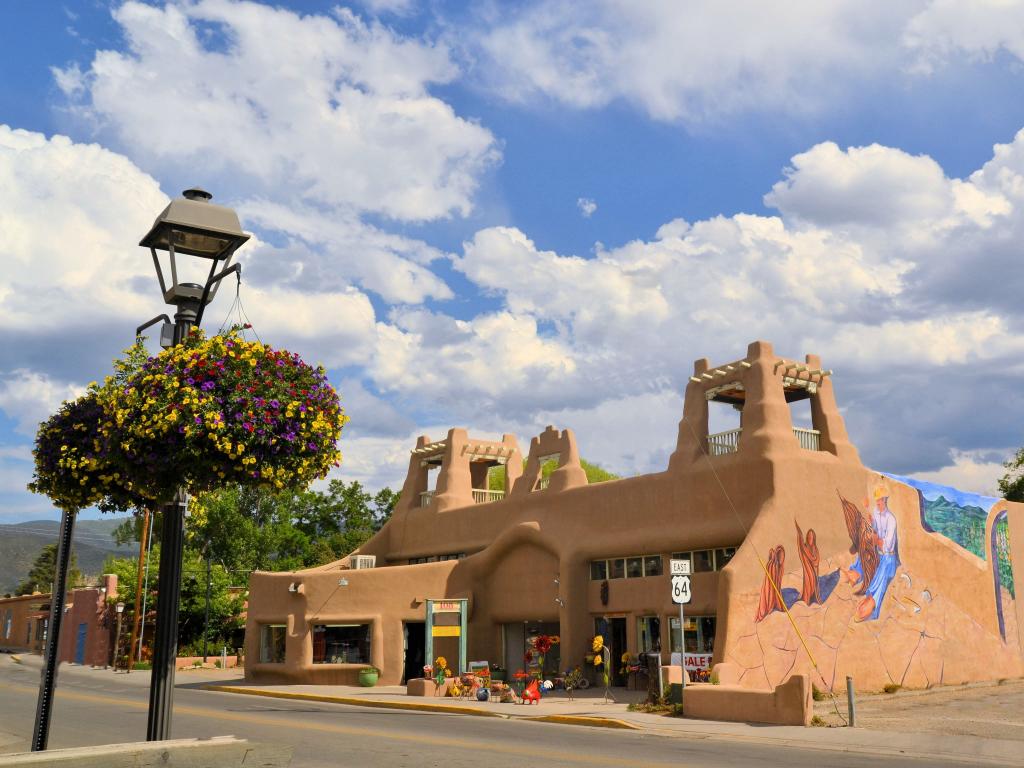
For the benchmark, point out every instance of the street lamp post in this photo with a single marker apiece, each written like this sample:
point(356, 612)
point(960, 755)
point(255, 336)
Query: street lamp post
point(117, 634)
point(48, 676)
point(193, 226)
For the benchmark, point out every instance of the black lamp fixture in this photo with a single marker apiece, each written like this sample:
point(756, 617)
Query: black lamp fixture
point(193, 226)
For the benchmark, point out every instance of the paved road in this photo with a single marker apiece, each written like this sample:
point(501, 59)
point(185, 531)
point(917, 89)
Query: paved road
point(109, 710)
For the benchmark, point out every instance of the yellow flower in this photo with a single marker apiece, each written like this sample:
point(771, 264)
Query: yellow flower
point(598, 644)
point(597, 660)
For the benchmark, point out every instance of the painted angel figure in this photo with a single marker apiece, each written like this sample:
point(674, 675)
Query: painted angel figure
point(861, 544)
point(807, 547)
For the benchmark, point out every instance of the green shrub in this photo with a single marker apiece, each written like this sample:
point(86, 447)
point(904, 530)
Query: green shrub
point(892, 687)
point(817, 693)
point(142, 665)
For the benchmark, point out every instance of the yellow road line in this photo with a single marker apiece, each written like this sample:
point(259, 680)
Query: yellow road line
point(484, 746)
point(351, 700)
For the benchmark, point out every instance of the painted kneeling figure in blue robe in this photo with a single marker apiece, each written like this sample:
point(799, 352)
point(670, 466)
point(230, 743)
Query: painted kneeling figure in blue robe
point(886, 543)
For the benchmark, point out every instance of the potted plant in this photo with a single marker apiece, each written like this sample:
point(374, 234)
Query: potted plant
point(368, 676)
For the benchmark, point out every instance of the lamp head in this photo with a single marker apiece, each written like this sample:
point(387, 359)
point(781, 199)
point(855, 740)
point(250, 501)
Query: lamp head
point(193, 225)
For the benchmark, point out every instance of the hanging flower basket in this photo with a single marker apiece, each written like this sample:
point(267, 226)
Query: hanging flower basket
point(203, 414)
point(210, 412)
point(73, 463)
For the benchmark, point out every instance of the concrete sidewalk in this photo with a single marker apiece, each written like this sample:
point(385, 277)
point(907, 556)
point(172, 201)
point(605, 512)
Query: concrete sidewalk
point(589, 709)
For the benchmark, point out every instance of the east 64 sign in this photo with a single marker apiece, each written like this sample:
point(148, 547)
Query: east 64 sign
point(681, 593)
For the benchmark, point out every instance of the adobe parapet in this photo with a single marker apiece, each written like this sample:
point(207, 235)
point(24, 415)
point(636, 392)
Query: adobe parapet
point(463, 465)
point(761, 386)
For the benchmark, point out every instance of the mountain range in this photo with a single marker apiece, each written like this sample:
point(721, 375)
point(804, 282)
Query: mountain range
point(20, 544)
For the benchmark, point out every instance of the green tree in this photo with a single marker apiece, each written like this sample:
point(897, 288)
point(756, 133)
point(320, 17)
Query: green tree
point(594, 473)
point(1011, 485)
point(227, 601)
point(43, 571)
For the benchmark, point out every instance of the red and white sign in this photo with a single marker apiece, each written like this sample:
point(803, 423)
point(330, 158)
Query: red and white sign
point(693, 661)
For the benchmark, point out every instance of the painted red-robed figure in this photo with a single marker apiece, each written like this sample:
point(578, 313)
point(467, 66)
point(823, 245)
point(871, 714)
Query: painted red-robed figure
point(809, 559)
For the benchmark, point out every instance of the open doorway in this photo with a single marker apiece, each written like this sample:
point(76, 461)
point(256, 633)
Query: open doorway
point(415, 643)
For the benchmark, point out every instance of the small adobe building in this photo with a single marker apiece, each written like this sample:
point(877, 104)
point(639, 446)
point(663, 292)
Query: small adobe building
point(803, 559)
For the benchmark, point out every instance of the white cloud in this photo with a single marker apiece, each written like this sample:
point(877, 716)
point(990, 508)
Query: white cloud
point(66, 253)
point(29, 398)
point(587, 207)
point(691, 61)
point(972, 471)
point(318, 109)
point(975, 29)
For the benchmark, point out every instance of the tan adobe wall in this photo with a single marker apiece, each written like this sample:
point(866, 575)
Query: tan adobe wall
point(528, 555)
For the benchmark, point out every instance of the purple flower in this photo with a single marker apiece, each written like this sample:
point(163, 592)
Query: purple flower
point(206, 386)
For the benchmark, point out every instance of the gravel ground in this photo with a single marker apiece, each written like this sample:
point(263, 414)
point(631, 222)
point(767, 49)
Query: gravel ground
point(988, 710)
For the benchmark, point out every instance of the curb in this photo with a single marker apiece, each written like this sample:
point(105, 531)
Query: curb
point(406, 705)
point(594, 722)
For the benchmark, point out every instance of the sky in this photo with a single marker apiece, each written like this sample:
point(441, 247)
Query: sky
point(506, 215)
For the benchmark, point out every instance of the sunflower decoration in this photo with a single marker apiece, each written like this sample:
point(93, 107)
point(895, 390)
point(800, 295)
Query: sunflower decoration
point(598, 644)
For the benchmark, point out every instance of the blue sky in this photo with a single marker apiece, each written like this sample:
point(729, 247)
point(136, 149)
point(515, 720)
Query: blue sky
point(501, 216)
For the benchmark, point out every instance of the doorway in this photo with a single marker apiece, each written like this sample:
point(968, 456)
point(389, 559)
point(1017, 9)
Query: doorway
point(415, 644)
point(83, 631)
point(613, 630)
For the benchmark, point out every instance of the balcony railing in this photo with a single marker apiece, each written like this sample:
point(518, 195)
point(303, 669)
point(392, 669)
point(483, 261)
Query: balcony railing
point(479, 496)
point(482, 497)
point(543, 483)
point(721, 443)
point(810, 439)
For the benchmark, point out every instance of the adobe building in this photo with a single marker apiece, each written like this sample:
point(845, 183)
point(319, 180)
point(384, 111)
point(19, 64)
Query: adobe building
point(803, 559)
point(87, 630)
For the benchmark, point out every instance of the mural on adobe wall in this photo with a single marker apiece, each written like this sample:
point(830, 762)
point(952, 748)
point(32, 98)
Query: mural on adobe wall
point(894, 604)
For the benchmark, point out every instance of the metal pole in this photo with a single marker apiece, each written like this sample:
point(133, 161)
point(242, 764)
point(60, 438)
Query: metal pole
point(145, 589)
point(682, 654)
point(48, 679)
point(165, 645)
point(172, 544)
point(138, 590)
point(117, 639)
point(851, 704)
point(206, 619)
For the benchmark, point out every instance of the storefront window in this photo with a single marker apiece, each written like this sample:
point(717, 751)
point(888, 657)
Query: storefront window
point(648, 634)
point(634, 567)
point(652, 565)
point(617, 568)
point(341, 643)
point(723, 556)
point(598, 570)
point(272, 643)
point(700, 634)
point(703, 560)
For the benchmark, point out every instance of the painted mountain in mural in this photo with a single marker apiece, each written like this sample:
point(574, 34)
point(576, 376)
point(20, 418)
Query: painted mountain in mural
point(963, 524)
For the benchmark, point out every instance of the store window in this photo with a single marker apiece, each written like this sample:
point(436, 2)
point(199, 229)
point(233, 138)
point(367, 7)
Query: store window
point(272, 638)
point(634, 567)
point(652, 565)
point(41, 630)
point(341, 643)
point(723, 556)
point(703, 560)
point(648, 634)
point(700, 634)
